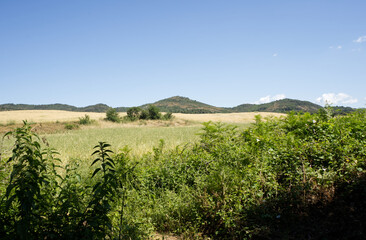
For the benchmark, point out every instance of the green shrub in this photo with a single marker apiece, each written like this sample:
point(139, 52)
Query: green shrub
point(133, 113)
point(85, 120)
point(25, 198)
point(112, 115)
point(153, 112)
point(144, 115)
point(38, 203)
point(167, 116)
point(71, 126)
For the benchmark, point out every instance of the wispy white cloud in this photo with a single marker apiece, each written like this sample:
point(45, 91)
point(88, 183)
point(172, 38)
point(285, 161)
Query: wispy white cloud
point(360, 39)
point(356, 50)
point(336, 47)
point(336, 98)
point(270, 98)
point(275, 55)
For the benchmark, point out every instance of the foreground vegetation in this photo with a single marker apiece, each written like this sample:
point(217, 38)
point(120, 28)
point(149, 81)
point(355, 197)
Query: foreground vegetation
point(300, 177)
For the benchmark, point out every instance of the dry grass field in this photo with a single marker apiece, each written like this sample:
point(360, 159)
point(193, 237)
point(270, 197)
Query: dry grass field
point(45, 116)
point(42, 116)
point(247, 117)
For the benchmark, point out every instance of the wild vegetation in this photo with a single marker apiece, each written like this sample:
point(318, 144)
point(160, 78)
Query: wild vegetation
point(112, 115)
point(135, 113)
point(298, 177)
point(151, 113)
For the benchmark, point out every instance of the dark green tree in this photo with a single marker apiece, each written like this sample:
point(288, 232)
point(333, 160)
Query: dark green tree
point(154, 112)
point(133, 113)
point(112, 115)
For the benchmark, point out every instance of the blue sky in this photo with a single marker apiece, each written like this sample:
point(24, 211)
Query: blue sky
point(224, 53)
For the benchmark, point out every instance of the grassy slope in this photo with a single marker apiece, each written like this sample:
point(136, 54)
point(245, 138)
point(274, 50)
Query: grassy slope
point(79, 143)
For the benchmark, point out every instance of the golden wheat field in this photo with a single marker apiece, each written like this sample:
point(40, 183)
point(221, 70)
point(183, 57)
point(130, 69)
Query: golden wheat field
point(247, 117)
point(65, 116)
point(45, 116)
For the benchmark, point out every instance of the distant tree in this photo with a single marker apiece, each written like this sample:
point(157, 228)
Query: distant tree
point(112, 115)
point(154, 112)
point(151, 113)
point(144, 115)
point(133, 113)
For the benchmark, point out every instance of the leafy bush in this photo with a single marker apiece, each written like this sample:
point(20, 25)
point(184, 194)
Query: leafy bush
point(133, 113)
point(167, 116)
point(144, 115)
point(41, 204)
point(71, 126)
point(239, 184)
point(151, 113)
point(112, 115)
point(85, 120)
point(154, 113)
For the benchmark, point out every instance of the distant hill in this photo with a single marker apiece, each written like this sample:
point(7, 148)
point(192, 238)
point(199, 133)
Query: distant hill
point(57, 106)
point(179, 104)
point(92, 108)
point(121, 109)
point(280, 106)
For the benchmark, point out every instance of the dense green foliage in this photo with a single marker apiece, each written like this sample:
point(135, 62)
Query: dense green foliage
point(272, 180)
point(112, 115)
point(85, 120)
point(134, 113)
point(150, 113)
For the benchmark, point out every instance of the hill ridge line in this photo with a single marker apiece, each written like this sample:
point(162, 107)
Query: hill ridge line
point(179, 104)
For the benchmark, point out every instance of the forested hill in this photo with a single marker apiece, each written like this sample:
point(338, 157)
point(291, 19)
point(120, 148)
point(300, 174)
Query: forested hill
point(281, 106)
point(179, 104)
point(92, 108)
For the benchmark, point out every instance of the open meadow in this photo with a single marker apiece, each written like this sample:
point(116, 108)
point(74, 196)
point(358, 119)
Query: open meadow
point(140, 136)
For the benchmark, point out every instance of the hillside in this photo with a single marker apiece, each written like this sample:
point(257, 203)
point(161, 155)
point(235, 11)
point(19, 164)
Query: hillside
point(179, 104)
point(281, 106)
point(92, 108)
